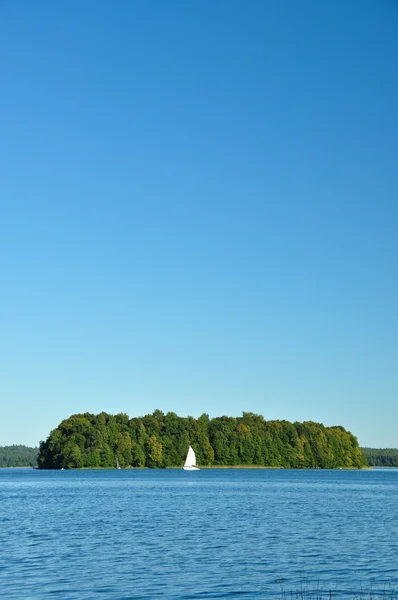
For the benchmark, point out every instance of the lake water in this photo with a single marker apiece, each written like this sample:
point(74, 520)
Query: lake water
point(213, 533)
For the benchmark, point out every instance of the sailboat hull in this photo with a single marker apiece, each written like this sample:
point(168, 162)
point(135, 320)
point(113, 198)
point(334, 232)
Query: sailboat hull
point(191, 468)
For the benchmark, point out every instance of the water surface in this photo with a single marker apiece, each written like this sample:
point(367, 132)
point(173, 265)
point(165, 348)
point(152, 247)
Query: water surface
point(214, 533)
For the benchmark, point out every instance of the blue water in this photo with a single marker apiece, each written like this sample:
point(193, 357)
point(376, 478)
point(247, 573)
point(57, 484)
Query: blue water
point(116, 535)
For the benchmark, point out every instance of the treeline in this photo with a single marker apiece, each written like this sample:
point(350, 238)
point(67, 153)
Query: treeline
point(381, 457)
point(18, 456)
point(162, 440)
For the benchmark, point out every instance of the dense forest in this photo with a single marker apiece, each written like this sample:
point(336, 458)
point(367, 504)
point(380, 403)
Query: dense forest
point(18, 456)
point(381, 457)
point(162, 440)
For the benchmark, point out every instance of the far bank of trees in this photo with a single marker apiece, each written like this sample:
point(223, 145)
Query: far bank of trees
point(162, 440)
point(381, 457)
point(18, 456)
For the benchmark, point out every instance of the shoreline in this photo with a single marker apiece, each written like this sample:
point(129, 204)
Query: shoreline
point(262, 467)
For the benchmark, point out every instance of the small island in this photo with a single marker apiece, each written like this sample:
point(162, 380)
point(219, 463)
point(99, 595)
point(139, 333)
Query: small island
point(161, 440)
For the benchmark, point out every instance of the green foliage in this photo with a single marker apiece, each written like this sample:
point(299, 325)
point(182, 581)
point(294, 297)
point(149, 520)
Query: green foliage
point(381, 457)
point(18, 456)
point(162, 440)
point(154, 452)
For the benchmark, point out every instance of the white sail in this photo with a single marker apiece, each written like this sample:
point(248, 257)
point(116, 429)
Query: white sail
point(191, 458)
point(190, 463)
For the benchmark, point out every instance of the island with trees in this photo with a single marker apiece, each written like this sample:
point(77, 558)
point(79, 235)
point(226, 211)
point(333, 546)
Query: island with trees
point(161, 440)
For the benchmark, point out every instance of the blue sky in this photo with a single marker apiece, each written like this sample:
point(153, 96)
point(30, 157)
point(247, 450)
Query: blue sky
point(199, 212)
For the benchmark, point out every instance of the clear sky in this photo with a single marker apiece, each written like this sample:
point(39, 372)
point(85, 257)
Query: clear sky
point(199, 211)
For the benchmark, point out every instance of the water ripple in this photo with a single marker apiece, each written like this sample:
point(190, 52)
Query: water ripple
point(212, 534)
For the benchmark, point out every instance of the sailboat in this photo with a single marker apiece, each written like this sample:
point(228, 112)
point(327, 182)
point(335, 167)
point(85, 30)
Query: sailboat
point(117, 464)
point(190, 463)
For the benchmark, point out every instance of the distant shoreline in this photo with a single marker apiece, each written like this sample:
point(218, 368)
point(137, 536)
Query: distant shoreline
point(262, 467)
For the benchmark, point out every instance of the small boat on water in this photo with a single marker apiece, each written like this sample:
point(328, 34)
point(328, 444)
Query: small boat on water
point(117, 464)
point(190, 463)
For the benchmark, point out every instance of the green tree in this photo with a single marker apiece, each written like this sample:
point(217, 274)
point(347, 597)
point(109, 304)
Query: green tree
point(18, 456)
point(154, 454)
point(137, 455)
point(159, 440)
